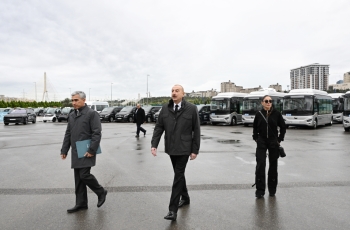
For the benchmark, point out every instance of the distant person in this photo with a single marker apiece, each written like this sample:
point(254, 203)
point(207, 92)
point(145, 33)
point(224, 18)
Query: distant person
point(265, 134)
point(180, 121)
point(139, 119)
point(83, 124)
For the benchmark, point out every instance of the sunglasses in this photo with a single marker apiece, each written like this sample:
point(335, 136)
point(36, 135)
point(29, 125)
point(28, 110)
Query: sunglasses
point(268, 101)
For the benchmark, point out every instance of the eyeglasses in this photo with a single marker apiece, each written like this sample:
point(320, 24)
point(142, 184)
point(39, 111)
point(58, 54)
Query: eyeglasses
point(268, 101)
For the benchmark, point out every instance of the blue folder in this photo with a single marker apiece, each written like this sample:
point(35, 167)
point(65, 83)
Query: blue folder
point(83, 146)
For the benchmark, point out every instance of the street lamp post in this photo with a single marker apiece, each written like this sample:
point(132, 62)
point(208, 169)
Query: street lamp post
point(35, 92)
point(147, 89)
point(111, 93)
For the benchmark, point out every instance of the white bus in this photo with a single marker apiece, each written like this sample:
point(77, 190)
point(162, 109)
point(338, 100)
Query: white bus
point(226, 108)
point(307, 107)
point(346, 113)
point(252, 103)
point(97, 105)
point(338, 106)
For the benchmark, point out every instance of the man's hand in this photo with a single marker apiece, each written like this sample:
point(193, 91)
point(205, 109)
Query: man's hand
point(63, 156)
point(88, 154)
point(154, 151)
point(193, 156)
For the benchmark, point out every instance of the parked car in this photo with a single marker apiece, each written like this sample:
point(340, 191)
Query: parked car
point(155, 116)
point(204, 113)
point(39, 111)
point(63, 116)
point(108, 114)
point(51, 114)
point(150, 111)
point(126, 114)
point(20, 116)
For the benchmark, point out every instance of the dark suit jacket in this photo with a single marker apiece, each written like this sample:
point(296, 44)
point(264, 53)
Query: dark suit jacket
point(182, 132)
point(139, 116)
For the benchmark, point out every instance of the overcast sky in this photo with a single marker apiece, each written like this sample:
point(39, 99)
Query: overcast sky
point(84, 45)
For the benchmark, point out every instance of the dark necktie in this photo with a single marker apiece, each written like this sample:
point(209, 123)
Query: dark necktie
point(176, 108)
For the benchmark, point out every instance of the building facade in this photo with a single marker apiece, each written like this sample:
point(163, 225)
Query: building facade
point(277, 87)
point(314, 76)
point(230, 87)
point(347, 77)
point(343, 86)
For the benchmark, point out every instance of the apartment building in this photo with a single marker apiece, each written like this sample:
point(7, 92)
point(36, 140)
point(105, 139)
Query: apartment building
point(314, 76)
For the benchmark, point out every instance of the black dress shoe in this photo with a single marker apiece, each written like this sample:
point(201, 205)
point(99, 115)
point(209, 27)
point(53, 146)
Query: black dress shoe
point(77, 208)
point(102, 199)
point(259, 195)
point(144, 134)
point(183, 203)
point(137, 136)
point(171, 216)
point(272, 194)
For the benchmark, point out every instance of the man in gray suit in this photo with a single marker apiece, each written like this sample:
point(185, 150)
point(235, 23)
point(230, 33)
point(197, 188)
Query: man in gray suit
point(180, 121)
point(83, 124)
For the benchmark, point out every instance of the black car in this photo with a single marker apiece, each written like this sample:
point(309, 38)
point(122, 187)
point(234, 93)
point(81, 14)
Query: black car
point(39, 111)
point(64, 114)
point(126, 114)
point(108, 114)
point(204, 113)
point(20, 116)
point(150, 111)
point(155, 116)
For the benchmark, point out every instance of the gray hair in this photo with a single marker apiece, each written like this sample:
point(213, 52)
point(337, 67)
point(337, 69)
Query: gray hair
point(82, 95)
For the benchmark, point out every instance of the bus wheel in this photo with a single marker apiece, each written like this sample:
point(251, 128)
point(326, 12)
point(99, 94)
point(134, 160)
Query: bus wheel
point(315, 124)
point(233, 121)
point(346, 129)
point(245, 125)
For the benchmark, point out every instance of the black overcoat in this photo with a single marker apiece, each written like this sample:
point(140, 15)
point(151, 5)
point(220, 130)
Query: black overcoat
point(86, 125)
point(182, 132)
point(140, 116)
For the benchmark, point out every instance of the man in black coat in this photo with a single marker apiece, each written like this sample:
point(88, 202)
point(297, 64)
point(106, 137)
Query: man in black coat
point(139, 119)
point(180, 121)
point(83, 124)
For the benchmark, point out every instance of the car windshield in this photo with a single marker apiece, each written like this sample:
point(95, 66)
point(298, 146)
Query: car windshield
point(19, 111)
point(126, 109)
point(108, 109)
point(36, 110)
point(147, 109)
point(51, 110)
point(66, 110)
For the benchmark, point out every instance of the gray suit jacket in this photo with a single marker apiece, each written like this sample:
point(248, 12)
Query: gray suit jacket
point(182, 132)
point(86, 125)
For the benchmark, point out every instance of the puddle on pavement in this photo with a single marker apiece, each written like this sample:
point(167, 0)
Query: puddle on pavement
point(223, 141)
point(237, 132)
point(206, 138)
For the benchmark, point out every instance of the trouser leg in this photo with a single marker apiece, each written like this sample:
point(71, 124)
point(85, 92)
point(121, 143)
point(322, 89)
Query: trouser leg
point(260, 180)
point(90, 180)
point(80, 189)
point(179, 184)
point(137, 129)
point(272, 180)
point(142, 129)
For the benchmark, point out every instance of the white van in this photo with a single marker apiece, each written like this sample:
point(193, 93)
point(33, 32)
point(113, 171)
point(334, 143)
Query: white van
point(97, 105)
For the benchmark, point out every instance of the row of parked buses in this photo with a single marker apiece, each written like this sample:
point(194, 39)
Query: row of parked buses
point(299, 107)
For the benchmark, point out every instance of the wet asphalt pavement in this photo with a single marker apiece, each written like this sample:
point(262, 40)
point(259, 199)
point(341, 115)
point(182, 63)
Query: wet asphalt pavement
point(37, 187)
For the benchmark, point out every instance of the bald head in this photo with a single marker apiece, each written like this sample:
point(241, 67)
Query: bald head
point(177, 93)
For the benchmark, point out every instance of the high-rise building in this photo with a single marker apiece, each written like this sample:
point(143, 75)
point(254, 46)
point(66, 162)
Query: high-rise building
point(230, 87)
point(314, 76)
point(347, 77)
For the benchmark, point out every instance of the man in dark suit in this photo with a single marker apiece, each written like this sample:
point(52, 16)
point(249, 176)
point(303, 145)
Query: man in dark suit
point(83, 124)
point(139, 119)
point(180, 121)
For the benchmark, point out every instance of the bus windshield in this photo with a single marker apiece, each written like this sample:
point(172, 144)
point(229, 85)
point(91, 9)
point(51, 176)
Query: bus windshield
point(337, 106)
point(251, 106)
point(220, 105)
point(347, 104)
point(298, 105)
